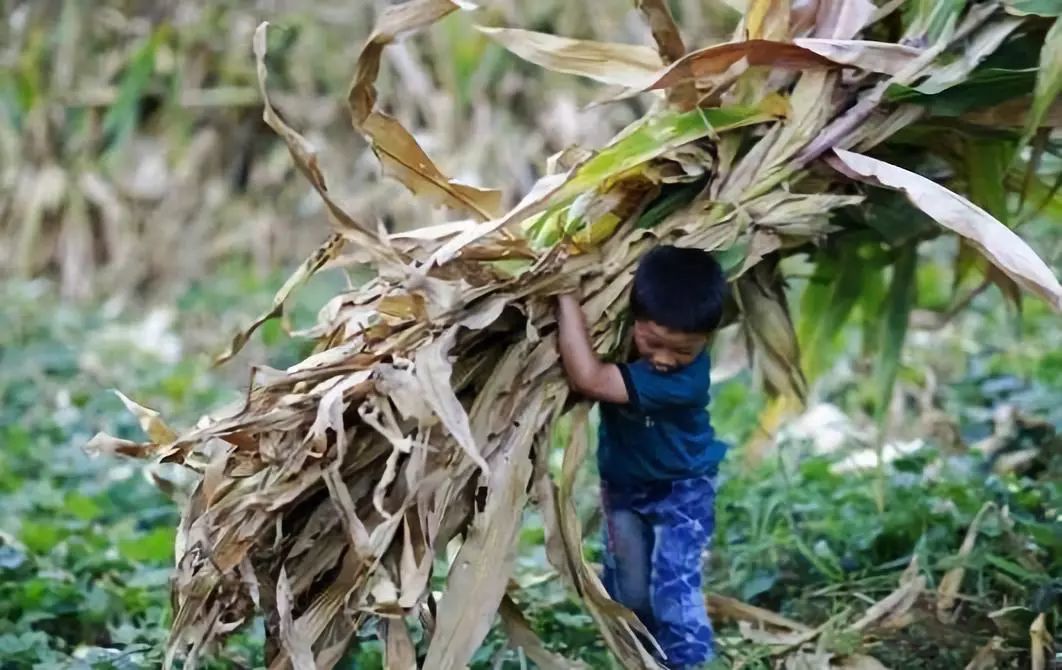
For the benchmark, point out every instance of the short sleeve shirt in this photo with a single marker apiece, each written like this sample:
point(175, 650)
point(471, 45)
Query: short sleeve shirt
point(664, 432)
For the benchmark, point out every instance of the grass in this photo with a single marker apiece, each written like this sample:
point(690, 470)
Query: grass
point(86, 544)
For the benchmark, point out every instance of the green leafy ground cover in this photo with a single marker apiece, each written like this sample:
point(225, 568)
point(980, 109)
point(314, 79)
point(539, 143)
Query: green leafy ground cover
point(86, 544)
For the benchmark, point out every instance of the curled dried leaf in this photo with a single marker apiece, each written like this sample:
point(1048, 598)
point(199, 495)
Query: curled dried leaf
point(150, 421)
point(398, 151)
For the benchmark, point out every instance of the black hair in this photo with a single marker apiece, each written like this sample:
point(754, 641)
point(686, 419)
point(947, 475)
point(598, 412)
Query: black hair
point(679, 288)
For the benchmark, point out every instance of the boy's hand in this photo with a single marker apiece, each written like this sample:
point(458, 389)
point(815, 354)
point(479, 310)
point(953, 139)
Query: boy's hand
point(587, 374)
point(563, 283)
point(568, 300)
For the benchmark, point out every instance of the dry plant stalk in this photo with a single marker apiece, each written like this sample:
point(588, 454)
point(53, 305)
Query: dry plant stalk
point(424, 416)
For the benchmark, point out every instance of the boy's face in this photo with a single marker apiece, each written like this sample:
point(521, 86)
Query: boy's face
point(666, 349)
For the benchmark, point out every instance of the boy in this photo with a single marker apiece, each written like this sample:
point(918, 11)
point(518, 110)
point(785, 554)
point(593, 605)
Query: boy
point(657, 452)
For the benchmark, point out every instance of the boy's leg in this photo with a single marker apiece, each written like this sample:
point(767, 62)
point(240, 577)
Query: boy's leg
point(683, 523)
point(628, 547)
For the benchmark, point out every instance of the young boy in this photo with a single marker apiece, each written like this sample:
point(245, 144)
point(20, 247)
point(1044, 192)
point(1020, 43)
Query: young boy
point(657, 452)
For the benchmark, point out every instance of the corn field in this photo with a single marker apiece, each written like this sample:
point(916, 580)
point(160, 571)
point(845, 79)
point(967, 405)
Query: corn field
point(841, 133)
point(140, 169)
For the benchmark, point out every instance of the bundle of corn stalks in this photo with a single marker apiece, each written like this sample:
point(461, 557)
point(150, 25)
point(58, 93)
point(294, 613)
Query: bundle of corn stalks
point(422, 420)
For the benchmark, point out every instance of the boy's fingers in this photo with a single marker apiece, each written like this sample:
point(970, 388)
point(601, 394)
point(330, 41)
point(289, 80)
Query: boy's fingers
point(562, 285)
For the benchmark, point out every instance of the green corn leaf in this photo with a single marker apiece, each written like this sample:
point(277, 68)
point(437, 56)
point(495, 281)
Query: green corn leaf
point(122, 116)
point(668, 203)
point(986, 166)
point(984, 88)
point(1038, 7)
point(986, 169)
point(1049, 78)
point(893, 325)
point(654, 137)
point(825, 308)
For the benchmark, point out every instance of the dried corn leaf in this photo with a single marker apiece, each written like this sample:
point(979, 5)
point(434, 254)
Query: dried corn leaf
point(104, 444)
point(948, 589)
point(150, 421)
point(731, 609)
point(985, 658)
point(323, 254)
point(403, 159)
point(715, 60)
point(1040, 642)
point(399, 653)
point(982, 45)
point(670, 45)
point(296, 643)
point(399, 153)
point(769, 329)
point(893, 608)
point(521, 636)
point(479, 574)
point(842, 19)
point(647, 139)
point(859, 662)
point(767, 20)
point(305, 157)
point(627, 65)
point(786, 639)
point(883, 57)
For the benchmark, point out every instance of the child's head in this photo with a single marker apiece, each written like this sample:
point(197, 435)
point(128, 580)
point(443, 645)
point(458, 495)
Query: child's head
point(677, 302)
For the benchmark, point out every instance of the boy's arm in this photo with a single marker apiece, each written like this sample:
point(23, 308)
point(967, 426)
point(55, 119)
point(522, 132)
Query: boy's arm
point(587, 374)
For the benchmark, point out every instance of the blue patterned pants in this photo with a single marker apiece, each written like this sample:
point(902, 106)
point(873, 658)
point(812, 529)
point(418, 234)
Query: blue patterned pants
point(654, 540)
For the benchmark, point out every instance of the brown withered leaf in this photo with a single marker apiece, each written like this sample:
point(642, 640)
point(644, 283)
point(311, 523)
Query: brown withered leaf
point(714, 60)
point(521, 636)
point(731, 609)
point(150, 421)
point(948, 589)
point(985, 658)
point(1014, 113)
point(399, 153)
point(481, 570)
point(402, 158)
point(1040, 642)
point(670, 46)
point(305, 156)
point(770, 330)
point(893, 606)
point(297, 645)
point(104, 444)
point(399, 652)
point(859, 662)
point(618, 625)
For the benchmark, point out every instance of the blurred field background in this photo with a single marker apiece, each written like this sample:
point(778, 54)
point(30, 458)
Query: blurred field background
point(146, 213)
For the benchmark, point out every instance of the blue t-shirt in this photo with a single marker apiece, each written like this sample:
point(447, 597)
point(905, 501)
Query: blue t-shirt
point(665, 432)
